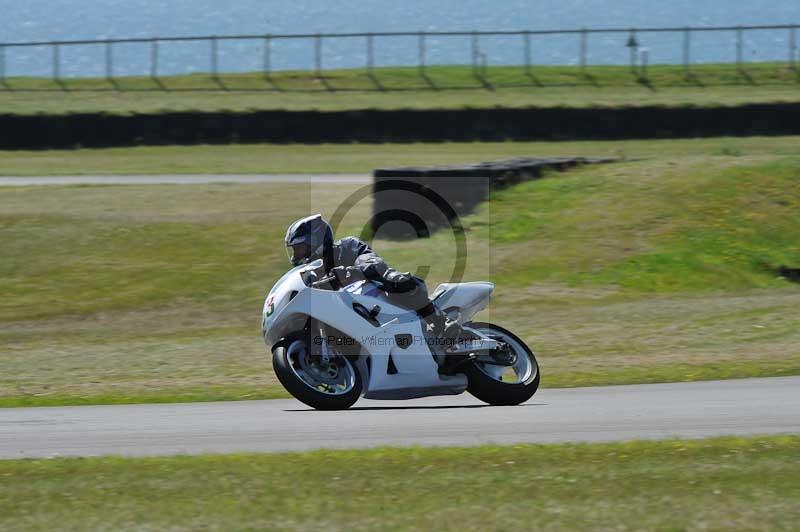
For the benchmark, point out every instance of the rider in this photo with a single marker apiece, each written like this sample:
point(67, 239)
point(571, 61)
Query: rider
point(311, 238)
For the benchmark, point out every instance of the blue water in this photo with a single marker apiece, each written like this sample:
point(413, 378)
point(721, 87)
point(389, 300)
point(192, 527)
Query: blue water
point(37, 20)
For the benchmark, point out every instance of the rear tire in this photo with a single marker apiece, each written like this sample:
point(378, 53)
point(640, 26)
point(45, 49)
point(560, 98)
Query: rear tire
point(495, 392)
point(302, 391)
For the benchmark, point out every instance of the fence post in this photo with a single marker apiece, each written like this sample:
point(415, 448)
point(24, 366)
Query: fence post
point(793, 48)
point(739, 48)
point(56, 63)
point(2, 65)
point(421, 47)
point(154, 58)
point(267, 55)
point(109, 61)
point(318, 55)
point(370, 54)
point(687, 49)
point(584, 48)
point(633, 46)
point(475, 53)
point(214, 58)
point(526, 37)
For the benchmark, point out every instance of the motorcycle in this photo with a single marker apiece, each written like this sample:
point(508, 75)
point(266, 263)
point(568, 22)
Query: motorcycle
point(334, 339)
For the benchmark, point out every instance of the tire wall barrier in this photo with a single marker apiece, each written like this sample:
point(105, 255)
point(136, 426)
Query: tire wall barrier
point(410, 207)
point(105, 130)
point(413, 202)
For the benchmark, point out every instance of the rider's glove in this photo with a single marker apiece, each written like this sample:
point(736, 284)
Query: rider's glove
point(347, 274)
point(400, 282)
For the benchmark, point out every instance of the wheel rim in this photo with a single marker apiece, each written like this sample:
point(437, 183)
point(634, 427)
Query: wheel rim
point(338, 377)
point(524, 369)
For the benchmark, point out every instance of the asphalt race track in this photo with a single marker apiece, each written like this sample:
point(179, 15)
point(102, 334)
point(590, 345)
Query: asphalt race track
point(333, 179)
point(685, 410)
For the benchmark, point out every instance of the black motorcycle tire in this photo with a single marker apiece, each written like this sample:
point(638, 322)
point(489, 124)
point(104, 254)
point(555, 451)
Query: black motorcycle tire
point(495, 392)
point(303, 392)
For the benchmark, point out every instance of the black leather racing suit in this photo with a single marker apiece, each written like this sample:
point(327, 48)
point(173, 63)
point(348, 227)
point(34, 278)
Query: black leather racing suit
point(404, 288)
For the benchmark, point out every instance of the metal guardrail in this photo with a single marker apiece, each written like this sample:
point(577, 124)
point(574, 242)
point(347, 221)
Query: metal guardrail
point(639, 57)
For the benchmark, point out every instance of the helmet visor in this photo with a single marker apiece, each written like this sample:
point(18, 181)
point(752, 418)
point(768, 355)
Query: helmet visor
point(297, 253)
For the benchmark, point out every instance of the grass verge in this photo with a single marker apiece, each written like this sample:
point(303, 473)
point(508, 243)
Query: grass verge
point(448, 87)
point(642, 271)
point(717, 484)
point(358, 158)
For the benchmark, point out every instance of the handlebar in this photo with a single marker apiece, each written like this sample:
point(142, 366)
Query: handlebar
point(339, 277)
point(330, 280)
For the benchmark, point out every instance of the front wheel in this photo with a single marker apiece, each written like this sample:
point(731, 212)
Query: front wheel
point(335, 385)
point(503, 385)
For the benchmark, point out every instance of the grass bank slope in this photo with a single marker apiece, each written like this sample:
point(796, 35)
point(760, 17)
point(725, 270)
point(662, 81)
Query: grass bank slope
point(642, 271)
point(357, 158)
point(440, 87)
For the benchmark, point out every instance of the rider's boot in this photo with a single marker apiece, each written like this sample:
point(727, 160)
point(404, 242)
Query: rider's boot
point(447, 333)
point(439, 323)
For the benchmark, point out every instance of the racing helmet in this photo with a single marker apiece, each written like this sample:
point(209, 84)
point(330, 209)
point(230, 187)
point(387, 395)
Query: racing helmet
point(307, 239)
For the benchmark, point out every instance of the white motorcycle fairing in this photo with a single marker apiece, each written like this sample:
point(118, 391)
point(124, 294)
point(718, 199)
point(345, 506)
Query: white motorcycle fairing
point(461, 301)
point(396, 358)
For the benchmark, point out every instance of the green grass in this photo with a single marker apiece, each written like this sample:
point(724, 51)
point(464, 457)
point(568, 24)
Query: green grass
point(710, 229)
point(395, 88)
point(649, 270)
point(357, 158)
point(717, 484)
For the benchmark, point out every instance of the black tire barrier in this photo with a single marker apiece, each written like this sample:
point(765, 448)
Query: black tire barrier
point(501, 172)
point(790, 274)
point(438, 195)
point(106, 130)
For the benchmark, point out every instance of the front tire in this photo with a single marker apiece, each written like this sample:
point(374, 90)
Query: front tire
point(335, 387)
point(486, 382)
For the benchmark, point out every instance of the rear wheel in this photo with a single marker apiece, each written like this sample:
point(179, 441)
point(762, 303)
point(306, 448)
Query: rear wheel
point(331, 385)
point(503, 385)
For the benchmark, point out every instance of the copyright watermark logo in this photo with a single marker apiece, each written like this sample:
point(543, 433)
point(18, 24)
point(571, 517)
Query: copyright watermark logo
point(415, 224)
point(333, 341)
point(390, 341)
point(401, 203)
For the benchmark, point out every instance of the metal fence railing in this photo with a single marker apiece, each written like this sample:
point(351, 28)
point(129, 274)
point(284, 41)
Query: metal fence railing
point(518, 50)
